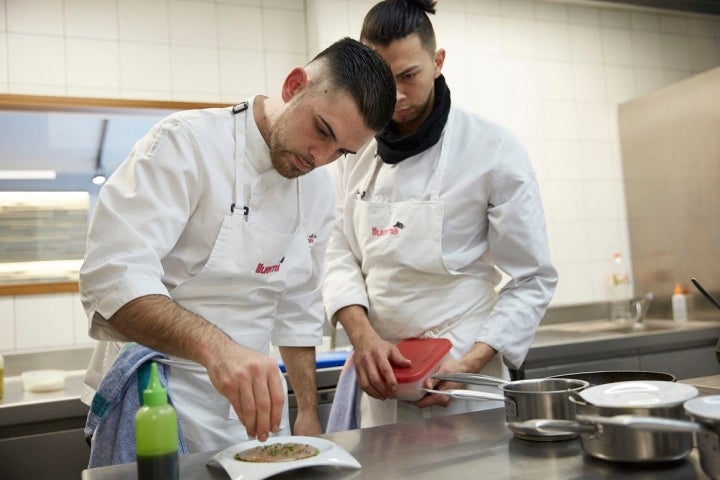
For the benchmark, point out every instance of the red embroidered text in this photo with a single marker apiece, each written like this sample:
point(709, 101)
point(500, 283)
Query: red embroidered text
point(263, 269)
point(379, 232)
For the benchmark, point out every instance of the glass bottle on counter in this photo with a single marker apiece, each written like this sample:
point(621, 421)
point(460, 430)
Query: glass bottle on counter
point(156, 433)
point(620, 290)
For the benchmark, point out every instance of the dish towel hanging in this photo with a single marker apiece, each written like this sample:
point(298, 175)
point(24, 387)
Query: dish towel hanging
point(345, 409)
point(110, 425)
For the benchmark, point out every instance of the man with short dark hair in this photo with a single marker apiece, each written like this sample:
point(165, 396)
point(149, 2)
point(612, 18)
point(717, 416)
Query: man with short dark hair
point(207, 244)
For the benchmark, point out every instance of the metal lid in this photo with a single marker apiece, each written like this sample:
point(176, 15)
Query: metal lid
point(705, 407)
point(638, 394)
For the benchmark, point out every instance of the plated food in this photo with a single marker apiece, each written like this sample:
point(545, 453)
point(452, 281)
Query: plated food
point(322, 453)
point(277, 452)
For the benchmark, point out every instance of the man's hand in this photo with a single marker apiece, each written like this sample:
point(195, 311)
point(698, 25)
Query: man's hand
point(251, 382)
point(374, 359)
point(449, 366)
point(473, 361)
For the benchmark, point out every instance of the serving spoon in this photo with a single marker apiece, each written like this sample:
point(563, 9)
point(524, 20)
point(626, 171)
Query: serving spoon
point(705, 292)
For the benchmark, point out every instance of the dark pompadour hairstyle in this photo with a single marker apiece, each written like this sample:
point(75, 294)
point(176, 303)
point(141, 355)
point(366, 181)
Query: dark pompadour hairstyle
point(392, 20)
point(362, 72)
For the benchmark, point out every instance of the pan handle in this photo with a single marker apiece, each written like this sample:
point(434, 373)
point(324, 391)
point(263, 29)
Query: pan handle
point(469, 394)
point(649, 423)
point(575, 398)
point(470, 378)
point(547, 425)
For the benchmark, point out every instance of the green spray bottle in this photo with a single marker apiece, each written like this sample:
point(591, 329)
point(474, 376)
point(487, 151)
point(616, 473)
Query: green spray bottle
point(156, 433)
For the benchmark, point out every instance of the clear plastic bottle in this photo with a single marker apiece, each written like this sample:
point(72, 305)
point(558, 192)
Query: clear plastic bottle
point(2, 376)
point(679, 304)
point(620, 290)
point(156, 433)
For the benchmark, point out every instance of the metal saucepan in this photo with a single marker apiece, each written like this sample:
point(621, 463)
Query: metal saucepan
point(705, 412)
point(610, 376)
point(524, 400)
point(631, 433)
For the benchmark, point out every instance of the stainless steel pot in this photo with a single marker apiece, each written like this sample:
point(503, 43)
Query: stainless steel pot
point(708, 437)
point(618, 443)
point(524, 400)
point(705, 427)
point(635, 434)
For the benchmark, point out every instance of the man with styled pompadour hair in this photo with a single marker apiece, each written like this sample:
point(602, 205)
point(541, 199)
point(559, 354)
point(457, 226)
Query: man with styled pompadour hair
point(463, 197)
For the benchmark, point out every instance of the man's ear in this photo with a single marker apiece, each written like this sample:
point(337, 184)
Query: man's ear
point(295, 82)
point(439, 61)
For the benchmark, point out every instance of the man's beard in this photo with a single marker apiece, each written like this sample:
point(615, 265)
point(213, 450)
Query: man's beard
point(282, 156)
point(416, 113)
point(284, 163)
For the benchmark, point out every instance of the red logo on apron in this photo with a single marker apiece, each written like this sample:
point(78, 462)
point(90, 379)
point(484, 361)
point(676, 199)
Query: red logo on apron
point(394, 230)
point(263, 269)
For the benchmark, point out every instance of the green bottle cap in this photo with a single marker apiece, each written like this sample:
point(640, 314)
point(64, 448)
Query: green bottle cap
point(154, 395)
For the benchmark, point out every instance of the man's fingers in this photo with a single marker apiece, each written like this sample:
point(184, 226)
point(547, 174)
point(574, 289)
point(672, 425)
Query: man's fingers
point(277, 399)
point(262, 407)
point(397, 358)
point(366, 383)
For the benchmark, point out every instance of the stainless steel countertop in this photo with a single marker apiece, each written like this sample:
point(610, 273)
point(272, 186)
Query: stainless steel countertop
point(473, 445)
point(707, 385)
point(21, 407)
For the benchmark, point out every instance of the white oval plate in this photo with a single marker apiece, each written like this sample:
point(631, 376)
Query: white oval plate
point(638, 394)
point(708, 407)
point(330, 455)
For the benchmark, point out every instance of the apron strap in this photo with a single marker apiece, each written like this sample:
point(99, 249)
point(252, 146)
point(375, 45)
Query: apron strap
point(242, 180)
point(238, 156)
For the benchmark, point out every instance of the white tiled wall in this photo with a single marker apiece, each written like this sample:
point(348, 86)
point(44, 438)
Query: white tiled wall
point(7, 324)
point(556, 73)
point(553, 72)
point(150, 49)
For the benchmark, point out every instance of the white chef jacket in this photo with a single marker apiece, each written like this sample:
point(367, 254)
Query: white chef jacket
point(493, 220)
point(159, 215)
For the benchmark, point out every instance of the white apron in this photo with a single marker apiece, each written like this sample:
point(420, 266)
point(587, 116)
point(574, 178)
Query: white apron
point(410, 289)
point(237, 290)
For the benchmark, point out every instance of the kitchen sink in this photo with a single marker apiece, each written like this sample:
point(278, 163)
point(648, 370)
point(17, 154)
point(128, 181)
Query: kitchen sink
point(623, 327)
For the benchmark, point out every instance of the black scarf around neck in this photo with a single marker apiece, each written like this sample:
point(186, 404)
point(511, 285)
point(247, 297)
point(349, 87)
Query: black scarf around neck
point(394, 149)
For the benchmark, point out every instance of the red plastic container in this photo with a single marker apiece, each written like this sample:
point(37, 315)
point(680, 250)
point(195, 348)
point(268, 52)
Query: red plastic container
point(427, 354)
